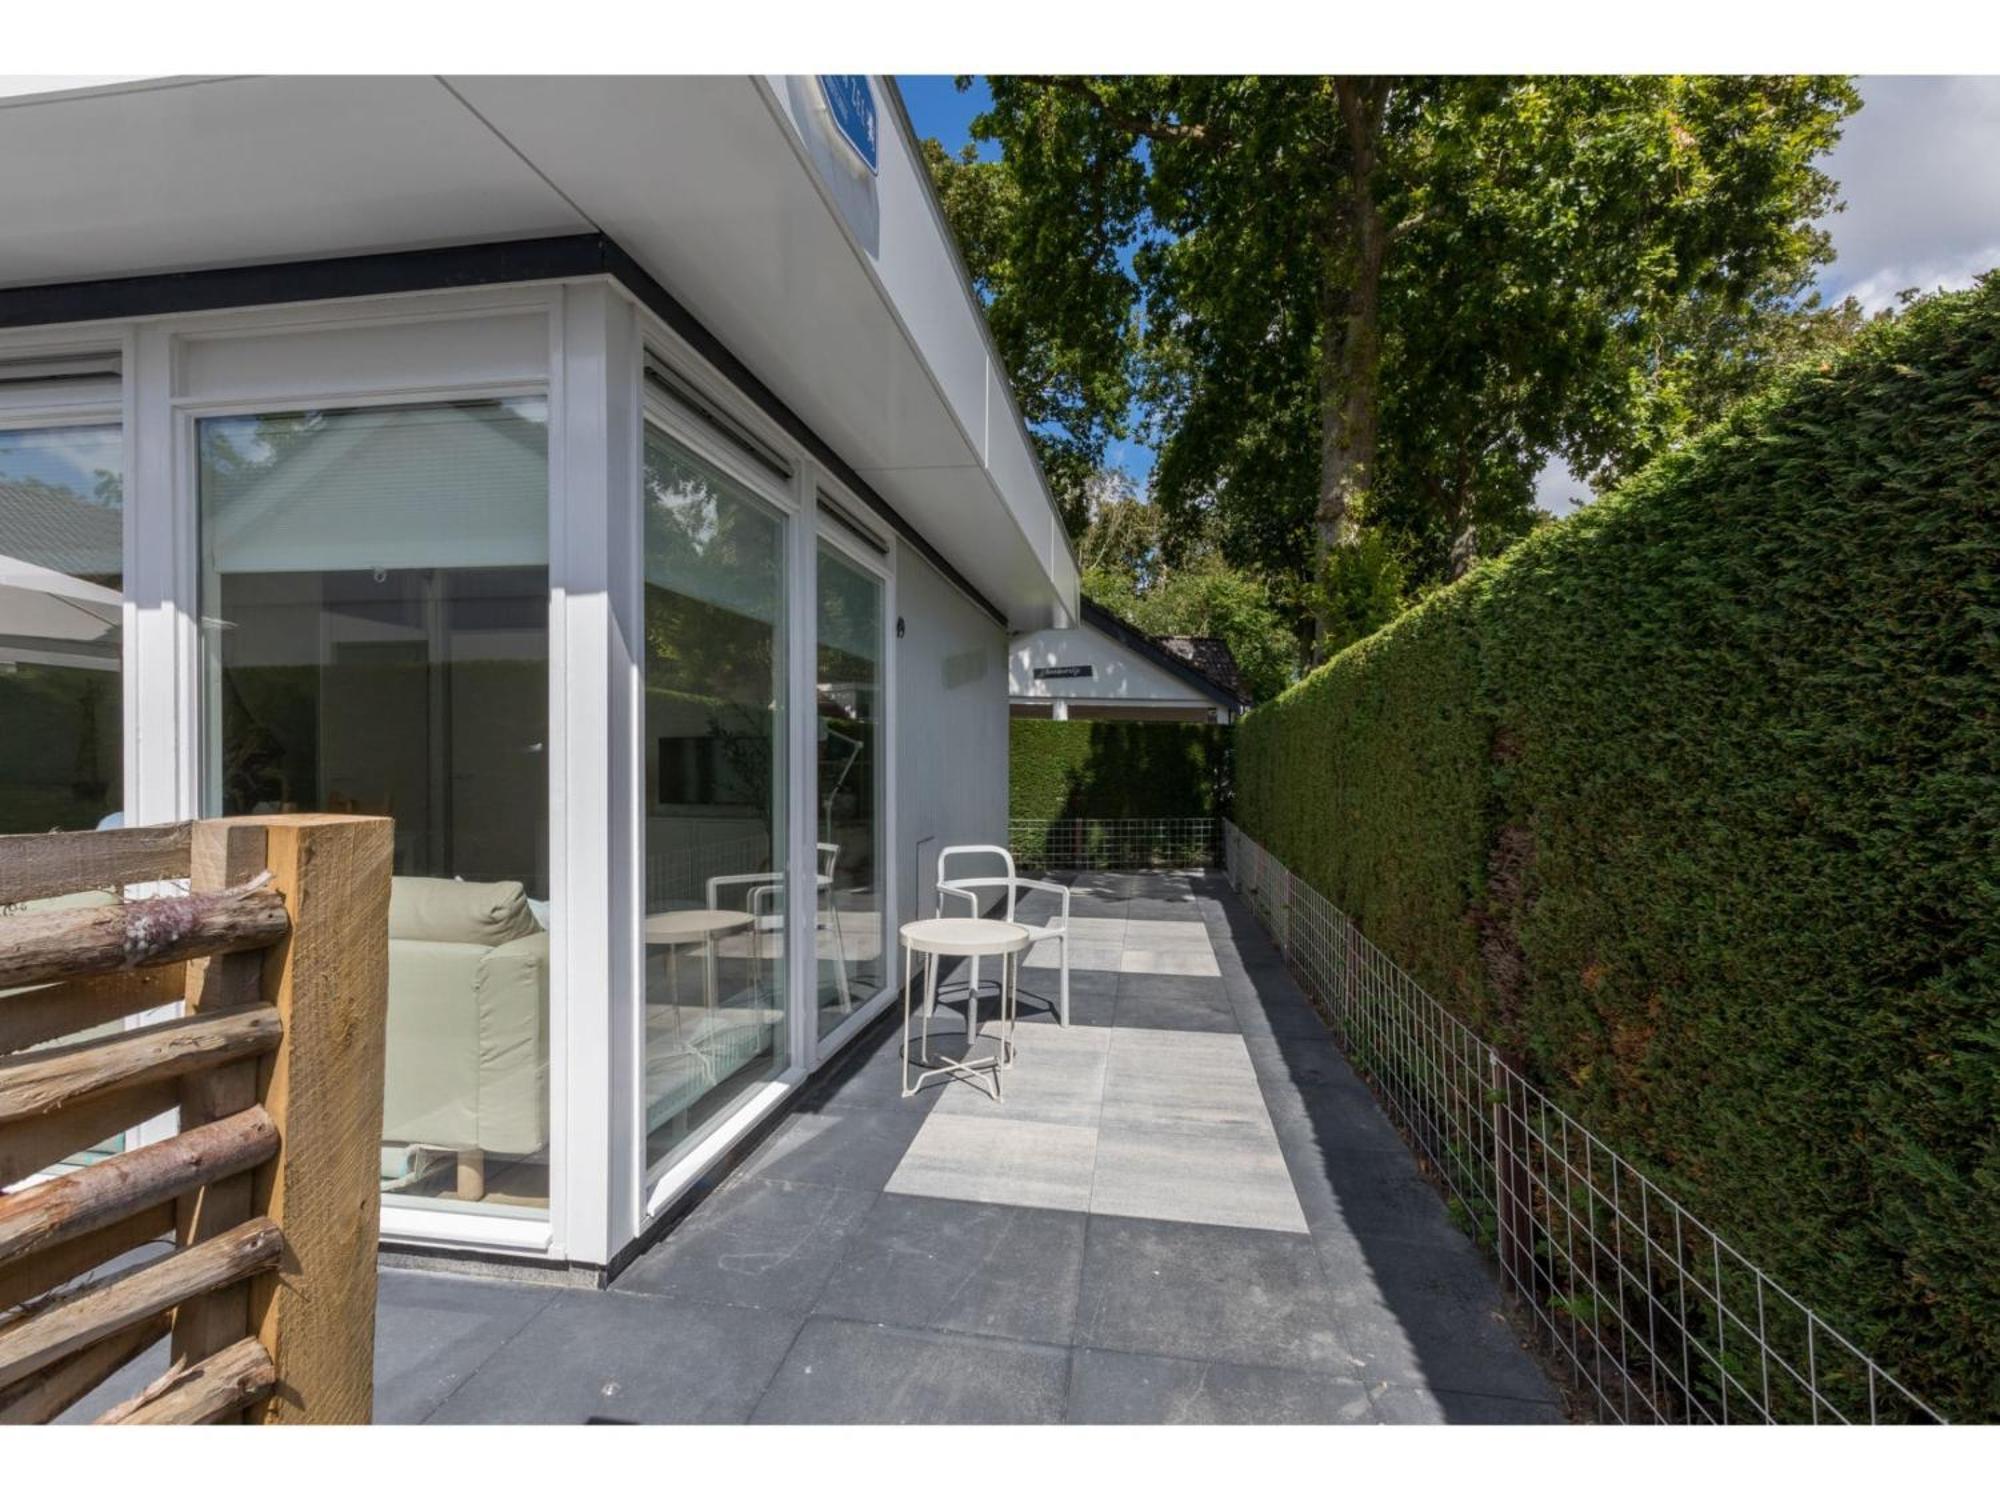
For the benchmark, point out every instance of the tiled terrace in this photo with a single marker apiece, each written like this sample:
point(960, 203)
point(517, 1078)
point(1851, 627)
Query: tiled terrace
point(1185, 1209)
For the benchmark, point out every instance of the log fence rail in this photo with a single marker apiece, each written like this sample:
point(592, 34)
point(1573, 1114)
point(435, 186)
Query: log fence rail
point(273, 939)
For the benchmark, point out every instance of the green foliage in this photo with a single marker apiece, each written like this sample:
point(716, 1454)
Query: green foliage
point(1126, 571)
point(1359, 590)
point(1105, 768)
point(61, 750)
point(1691, 802)
point(1571, 266)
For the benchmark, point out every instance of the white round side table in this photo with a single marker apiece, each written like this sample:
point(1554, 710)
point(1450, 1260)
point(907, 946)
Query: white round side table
point(675, 930)
point(963, 937)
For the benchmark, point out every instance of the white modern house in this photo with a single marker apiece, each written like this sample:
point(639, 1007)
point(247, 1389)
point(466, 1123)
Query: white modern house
point(613, 480)
point(1102, 667)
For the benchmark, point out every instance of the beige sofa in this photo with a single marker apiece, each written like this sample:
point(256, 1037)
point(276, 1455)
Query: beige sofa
point(468, 1067)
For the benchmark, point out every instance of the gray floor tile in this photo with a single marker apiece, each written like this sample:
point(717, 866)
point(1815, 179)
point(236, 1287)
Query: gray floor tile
point(1111, 1387)
point(1426, 1315)
point(1197, 1291)
point(434, 1331)
point(862, 1372)
point(984, 1159)
point(1198, 1174)
point(756, 1243)
point(1057, 1078)
point(1400, 1405)
point(612, 1357)
point(1173, 987)
point(961, 1267)
point(849, 1148)
point(1172, 962)
point(1168, 1012)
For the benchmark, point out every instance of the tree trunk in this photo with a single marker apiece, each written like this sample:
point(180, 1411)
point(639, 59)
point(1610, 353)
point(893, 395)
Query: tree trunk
point(1351, 336)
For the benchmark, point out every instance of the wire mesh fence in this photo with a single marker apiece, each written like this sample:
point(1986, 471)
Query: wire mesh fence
point(1116, 843)
point(1652, 1313)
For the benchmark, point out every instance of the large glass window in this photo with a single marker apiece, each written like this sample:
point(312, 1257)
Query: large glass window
point(61, 575)
point(848, 922)
point(714, 926)
point(374, 601)
point(62, 566)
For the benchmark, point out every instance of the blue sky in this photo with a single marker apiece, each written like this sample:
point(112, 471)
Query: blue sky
point(1919, 169)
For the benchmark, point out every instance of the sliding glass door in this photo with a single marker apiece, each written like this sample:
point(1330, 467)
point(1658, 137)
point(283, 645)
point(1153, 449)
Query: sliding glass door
point(716, 830)
point(375, 606)
point(848, 922)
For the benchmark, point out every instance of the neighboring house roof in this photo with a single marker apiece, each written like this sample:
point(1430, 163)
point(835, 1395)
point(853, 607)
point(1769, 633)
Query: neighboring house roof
point(58, 528)
point(1209, 655)
point(1226, 695)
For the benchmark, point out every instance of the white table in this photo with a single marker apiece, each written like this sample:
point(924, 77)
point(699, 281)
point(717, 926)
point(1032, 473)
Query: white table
point(963, 937)
point(675, 930)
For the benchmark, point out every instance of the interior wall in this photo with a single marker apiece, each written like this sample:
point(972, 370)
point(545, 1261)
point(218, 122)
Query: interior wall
point(951, 733)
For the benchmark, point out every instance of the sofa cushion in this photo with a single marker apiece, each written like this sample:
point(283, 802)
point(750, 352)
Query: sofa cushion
point(487, 913)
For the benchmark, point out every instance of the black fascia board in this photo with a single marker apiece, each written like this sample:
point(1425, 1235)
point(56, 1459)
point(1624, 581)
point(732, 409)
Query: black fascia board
point(1099, 618)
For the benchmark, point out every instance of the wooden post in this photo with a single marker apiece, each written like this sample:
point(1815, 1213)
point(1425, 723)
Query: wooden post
point(222, 854)
point(330, 982)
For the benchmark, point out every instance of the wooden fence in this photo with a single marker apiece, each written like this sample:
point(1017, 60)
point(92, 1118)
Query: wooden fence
point(279, 947)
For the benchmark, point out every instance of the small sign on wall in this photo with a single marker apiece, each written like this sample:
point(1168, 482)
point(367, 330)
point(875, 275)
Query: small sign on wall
point(1044, 674)
point(850, 100)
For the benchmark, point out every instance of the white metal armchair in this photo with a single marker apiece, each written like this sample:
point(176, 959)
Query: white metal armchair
point(1055, 930)
point(763, 904)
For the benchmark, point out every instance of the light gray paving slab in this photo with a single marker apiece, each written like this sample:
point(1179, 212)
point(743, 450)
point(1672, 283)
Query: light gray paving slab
point(986, 1159)
point(1168, 961)
point(1199, 1174)
point(1057, 1078)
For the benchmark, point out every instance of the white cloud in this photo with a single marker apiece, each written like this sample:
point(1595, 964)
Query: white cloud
point(1919, 170)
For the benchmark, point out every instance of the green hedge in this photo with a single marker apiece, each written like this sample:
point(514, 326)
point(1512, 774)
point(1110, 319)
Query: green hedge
point(1103, 768)
point(1693, 802)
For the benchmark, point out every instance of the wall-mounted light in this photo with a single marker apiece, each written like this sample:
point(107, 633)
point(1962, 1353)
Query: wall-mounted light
point(899, 627)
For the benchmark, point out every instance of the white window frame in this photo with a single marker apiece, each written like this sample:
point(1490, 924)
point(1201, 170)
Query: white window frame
point(405, 1221)
point(661, 1185)
point(881, 566)
point(598, 333)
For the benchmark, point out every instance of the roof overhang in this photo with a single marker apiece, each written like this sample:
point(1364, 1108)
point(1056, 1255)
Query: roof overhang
point(836, 287)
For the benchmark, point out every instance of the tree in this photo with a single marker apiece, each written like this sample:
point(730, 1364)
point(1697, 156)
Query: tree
point(1354, 303)
point(1125, 570)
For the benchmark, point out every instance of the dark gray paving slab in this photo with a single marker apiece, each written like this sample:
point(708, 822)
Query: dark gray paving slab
point(433, 1332)
point(1380, 1193)
point(613, 1357)
point(1199, 1291)
point(1148, 987)
point(1144, 1008)
point(1405, 1406)
point(1425, 1315)
point(830, 1147)
point(1107, 1387)
point(757, 1242)
point(864, 1372)
point(961, 1267)
point(872, 1077)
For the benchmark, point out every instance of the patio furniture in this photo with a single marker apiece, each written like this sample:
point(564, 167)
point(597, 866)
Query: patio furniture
point(970, 938)
point(675, 930)
point(468, 1026)
point(764, 889)
point(1055, 930)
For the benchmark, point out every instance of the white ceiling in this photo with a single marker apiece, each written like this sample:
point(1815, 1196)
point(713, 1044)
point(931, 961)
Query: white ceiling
point(704, 181)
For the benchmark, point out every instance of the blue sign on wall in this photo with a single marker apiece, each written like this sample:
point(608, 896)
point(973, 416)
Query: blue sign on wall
point(851, 102)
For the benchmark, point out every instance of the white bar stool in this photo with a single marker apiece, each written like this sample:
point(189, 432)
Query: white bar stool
point(963, 937)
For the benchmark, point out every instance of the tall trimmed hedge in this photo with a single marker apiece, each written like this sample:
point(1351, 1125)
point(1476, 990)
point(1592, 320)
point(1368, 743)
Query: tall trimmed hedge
point(1103, 768)
point(1693, 802)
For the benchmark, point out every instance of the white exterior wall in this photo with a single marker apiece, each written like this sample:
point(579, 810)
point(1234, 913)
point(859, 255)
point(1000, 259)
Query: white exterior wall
point(951, 741)
point(1118, 676)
